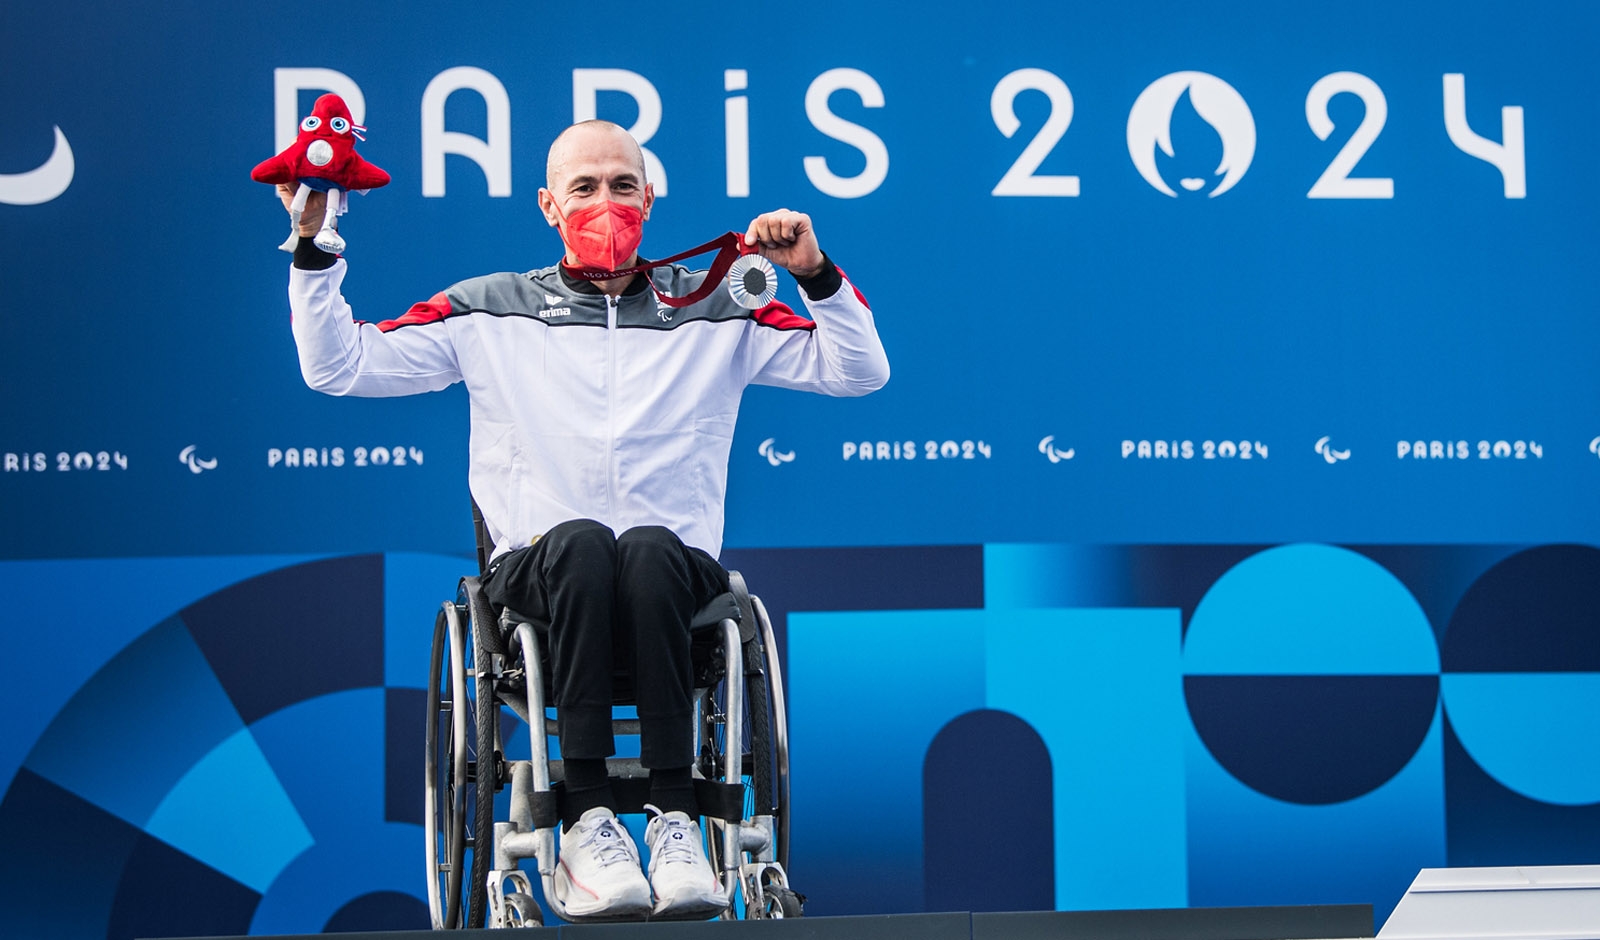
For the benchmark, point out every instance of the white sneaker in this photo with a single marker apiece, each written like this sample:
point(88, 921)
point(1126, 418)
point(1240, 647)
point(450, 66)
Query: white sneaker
point(681, 877)
point(598, 874)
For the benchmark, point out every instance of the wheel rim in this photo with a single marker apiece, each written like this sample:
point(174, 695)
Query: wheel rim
point(446, 780)
point(430, 789)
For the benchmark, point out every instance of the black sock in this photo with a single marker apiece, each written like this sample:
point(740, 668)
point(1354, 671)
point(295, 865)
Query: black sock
point(587, 785)
point(672, 790)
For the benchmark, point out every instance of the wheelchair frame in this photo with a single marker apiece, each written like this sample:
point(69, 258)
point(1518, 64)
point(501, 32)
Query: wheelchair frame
point(744, 796)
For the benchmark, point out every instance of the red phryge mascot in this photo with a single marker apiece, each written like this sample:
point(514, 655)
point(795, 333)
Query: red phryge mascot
point(323, 157)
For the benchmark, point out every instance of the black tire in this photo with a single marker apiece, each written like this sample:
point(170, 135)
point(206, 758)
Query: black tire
point(758, 716)
point(760, 761)
point(713, 748)
point(486, 756)
point(782, 903)
point(445, 837)
point(778, 730)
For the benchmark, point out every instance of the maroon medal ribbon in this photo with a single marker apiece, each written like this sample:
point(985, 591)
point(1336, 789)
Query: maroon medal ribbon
point(729, 248)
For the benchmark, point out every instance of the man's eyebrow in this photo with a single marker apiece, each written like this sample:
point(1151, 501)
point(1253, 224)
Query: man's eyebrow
point(626, 176)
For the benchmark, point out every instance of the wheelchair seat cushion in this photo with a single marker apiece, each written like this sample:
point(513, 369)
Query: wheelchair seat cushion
point(724, 606)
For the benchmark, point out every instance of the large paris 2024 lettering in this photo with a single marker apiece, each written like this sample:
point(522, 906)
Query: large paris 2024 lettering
point(1217, 102)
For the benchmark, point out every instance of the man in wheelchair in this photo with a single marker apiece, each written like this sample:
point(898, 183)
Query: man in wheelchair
point(598, 407)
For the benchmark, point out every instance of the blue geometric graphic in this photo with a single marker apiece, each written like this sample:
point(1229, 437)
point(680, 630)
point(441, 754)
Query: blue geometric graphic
point(128, 737)
point(328, 755)
point(1101, 688)
point(1312, 739)
point(1315, 771)
point(295, 633)
point(1522, 655)
point(1248, 848)
point(1536, 611)
point(1309, 610)
point(49, 833)
point(1311, 673)
point(414, 585)
point(1522, 675)
point(1538, 734)
point(282, 819)
point(1006, 795)
point(230, 811)
point(1491, 825)
point(1171, 781)
point(132, 594)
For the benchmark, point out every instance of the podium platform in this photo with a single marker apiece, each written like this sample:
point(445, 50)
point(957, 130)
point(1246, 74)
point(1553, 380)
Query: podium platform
point(1554, 902)
point(1312, 922)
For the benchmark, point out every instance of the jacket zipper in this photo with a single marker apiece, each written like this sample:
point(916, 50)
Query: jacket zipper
point(611, 416)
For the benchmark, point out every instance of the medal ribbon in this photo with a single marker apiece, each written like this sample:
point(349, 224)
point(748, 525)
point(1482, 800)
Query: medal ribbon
point(729, 247)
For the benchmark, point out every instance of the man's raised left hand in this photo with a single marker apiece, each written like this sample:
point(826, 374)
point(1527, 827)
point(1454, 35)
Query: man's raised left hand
point(787, 240)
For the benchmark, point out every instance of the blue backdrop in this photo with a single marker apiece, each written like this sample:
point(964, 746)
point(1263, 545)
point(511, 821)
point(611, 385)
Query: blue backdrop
point(1240, 456)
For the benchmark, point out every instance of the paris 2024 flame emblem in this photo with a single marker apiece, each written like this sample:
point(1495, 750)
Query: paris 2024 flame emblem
point(1217, 104)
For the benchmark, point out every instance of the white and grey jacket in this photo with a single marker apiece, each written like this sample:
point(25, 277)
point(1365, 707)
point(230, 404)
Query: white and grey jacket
point(583, 406)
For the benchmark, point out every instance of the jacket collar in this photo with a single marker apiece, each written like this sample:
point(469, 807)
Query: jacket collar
point(578, 285)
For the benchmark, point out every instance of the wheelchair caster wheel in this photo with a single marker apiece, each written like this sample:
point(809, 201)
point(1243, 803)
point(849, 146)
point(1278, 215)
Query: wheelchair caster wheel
point(784, 903)
point(523, 911)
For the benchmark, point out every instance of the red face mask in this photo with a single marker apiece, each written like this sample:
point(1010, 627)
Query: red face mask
point(603, 236)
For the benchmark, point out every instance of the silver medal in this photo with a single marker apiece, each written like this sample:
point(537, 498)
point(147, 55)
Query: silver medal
point(752, 281)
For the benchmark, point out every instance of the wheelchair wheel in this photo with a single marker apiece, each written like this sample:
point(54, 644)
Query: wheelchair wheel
point(484, 766)
point(778, 727)
point(523, 911)
point(781, 901)
point(767, 761)
point(445, 763)
point(765, 753)
point(758, 717)
point(786, 904)
point(461, 757)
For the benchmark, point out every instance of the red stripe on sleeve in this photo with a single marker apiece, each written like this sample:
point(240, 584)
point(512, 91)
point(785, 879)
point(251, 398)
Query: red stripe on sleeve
point(432, 310)
point(778, 316)
point(853, 287)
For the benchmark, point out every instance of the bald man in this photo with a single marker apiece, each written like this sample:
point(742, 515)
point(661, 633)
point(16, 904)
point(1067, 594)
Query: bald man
point(601, 426)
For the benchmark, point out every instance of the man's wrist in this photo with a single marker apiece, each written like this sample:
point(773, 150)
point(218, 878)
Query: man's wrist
point(822, 283)
point(308, 257)
point(810, 272)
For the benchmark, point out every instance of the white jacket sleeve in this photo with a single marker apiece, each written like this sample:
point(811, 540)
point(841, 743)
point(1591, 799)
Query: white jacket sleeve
point(341, 356)
point(841, 356)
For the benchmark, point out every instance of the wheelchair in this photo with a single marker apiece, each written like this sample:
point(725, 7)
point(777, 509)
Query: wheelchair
point(483, 660)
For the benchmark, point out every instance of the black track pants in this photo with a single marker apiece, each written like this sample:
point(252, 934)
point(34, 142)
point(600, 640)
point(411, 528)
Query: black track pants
point(614, 604)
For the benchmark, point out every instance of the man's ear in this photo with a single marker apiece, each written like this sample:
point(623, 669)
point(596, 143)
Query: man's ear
point(547, 205)
point(649, 199)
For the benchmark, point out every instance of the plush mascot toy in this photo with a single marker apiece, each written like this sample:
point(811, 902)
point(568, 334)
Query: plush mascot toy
point(323, 158)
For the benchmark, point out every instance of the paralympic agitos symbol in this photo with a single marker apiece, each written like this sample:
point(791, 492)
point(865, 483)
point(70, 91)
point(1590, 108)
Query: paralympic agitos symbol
point(42, 183)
